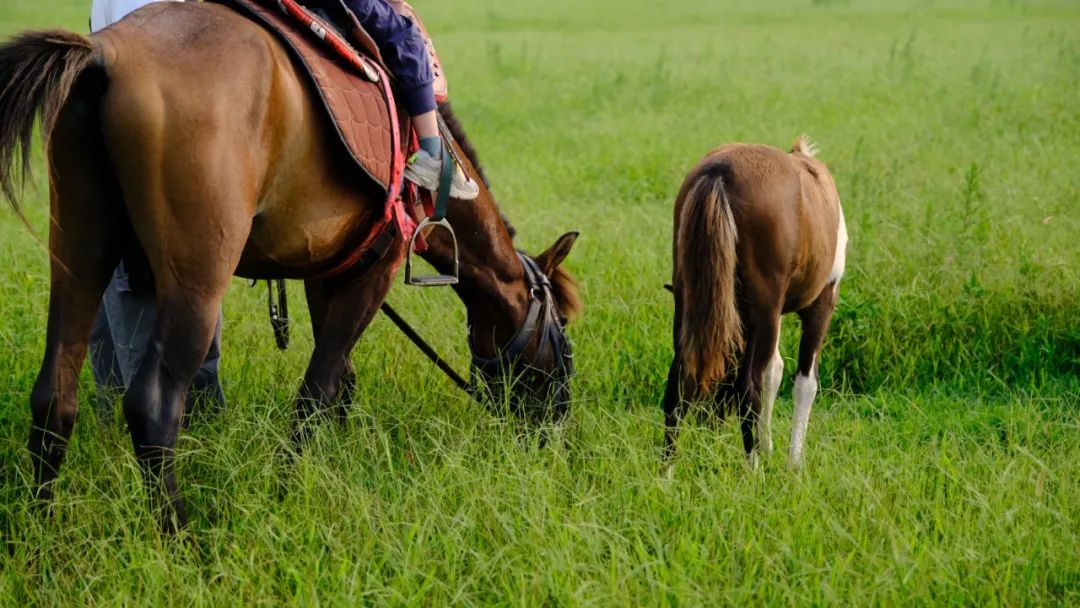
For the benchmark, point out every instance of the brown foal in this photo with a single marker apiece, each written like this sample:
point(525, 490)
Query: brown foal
point(184, 134)
point(758, 233)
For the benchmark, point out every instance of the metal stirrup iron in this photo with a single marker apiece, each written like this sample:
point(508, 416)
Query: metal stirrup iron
point(437, 220)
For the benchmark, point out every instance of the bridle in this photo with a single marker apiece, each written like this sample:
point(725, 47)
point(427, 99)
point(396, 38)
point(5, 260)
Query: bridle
point(542, 319)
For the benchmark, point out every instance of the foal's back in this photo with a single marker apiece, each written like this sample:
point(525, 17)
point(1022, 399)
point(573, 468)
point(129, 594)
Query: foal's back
point(787, 213)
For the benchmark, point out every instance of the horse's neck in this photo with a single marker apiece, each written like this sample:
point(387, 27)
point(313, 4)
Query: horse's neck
point(492, 280)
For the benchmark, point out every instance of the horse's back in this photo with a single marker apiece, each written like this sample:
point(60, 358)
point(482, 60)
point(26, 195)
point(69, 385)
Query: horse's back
point(205, 107)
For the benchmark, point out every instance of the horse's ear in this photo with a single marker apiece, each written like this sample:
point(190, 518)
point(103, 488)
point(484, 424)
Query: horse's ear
point(550, 259)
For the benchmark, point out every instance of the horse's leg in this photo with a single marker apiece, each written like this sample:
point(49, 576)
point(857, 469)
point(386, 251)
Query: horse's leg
point(815, 322)
point(84, 244)
point(350, 305)
point(192, 215)
point(317, 294)
point(54, 401)
point(763, 331)
point(774, 373)
point(679, 391)
point(154, 404)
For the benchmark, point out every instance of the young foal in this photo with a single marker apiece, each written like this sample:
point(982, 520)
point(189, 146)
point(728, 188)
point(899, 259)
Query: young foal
point(758, 233)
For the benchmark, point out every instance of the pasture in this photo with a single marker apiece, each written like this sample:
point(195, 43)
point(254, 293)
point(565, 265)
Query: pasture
point(943, 454)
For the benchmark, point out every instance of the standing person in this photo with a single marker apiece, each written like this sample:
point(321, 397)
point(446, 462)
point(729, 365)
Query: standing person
point(104, 13)
point(128, 308)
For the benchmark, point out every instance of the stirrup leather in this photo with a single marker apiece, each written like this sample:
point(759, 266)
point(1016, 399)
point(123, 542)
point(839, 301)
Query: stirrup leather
point(436, 220)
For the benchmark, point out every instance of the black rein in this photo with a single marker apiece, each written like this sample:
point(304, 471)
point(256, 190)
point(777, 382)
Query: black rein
point(541, 316)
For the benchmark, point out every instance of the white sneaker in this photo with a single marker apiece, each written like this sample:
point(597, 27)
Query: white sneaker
point(423, 170)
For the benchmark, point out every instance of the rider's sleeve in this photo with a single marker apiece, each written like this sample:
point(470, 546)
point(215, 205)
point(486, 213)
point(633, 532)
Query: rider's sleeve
point(402, 47)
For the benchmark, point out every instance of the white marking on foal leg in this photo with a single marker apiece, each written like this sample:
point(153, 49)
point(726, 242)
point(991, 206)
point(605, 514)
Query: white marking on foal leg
point(805, 390)
point(774, 373)
point(840, 257)
point(753, 459)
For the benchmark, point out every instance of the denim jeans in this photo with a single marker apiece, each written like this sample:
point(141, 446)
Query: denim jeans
point(118, 342)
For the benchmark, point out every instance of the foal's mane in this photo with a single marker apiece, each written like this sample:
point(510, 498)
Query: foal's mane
point(805, 145)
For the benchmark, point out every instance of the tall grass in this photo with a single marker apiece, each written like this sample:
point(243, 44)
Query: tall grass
point(943, 458)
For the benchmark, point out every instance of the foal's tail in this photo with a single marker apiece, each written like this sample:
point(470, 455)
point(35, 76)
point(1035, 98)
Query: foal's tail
point(704, 281)
point(37, 72)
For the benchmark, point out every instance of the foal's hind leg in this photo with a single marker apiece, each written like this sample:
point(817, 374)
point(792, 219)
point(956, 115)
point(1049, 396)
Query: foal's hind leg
point(763, 332)
point(774, 373)
point(680, 389)
point(815, 322)
point(84, 236)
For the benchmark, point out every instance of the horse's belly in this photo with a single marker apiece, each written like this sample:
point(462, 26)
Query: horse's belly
point(822, 268)
point(296, 244)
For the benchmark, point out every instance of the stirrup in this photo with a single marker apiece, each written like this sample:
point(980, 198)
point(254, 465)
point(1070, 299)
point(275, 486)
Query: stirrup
point(435, 280)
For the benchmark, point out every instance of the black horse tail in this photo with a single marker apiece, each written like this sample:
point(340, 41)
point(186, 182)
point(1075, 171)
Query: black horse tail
point(37, 72)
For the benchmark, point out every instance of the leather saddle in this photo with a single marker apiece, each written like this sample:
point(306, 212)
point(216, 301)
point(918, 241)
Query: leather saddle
point(359, 107)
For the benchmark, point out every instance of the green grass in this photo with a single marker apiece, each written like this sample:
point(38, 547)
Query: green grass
point(943, 457)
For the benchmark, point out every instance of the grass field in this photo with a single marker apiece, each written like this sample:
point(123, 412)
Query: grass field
point(943, 462)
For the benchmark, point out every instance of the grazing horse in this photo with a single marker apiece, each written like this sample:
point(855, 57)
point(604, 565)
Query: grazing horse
point(758, 233)
point(185, 134)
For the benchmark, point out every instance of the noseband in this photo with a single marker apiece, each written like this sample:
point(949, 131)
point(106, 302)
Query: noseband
point(543, 318)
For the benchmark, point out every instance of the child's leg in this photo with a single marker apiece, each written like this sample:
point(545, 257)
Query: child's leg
point(402, 48)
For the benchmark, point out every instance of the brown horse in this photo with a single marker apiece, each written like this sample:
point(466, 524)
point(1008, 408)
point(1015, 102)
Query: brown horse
point(185, 135)
point(758, 233)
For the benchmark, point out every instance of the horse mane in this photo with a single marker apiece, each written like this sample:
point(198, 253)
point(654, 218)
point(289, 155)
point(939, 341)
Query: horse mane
point(454, 124)
point(805, 145)
point(458, 133)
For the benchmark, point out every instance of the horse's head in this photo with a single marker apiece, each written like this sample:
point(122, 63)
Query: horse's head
point(530, 374)
point(518, 306)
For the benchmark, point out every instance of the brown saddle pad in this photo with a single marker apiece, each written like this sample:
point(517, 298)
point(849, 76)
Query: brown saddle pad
point(355, 106)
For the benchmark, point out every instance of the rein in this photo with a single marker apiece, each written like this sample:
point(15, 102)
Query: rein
point(542, 316)
point(426, 348)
